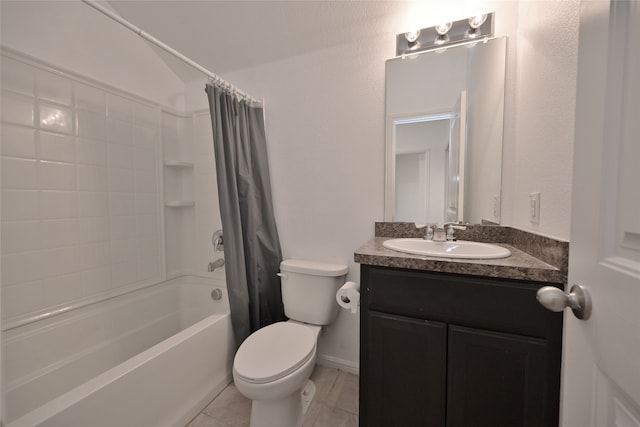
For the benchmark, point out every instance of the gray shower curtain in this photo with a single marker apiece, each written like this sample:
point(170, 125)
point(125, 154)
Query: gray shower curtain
point(251, 244)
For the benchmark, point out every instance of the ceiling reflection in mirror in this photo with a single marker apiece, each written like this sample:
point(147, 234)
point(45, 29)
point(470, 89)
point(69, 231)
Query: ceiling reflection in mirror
point(444, 113)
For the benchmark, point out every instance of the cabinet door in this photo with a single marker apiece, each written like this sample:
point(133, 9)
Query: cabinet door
point(406, 362)
point(498, 380)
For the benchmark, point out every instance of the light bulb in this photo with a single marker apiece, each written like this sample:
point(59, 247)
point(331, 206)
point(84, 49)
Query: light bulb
point(477, 21)
point(412, 36)
point(443, 29)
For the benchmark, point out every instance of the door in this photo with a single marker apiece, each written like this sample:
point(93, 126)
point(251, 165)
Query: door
point(406, 372)
point(499, 380)
point(601, 379)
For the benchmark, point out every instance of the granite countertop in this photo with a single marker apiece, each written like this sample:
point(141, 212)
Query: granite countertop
point(520, 265)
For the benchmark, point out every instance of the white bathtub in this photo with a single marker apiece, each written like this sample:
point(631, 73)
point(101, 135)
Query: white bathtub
point(153, 357)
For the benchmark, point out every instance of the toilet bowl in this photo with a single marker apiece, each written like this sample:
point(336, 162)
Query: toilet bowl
point(273, 365)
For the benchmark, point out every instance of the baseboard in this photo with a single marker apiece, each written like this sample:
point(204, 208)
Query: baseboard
point(334, 362)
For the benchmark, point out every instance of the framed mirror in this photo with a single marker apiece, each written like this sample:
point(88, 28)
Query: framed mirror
point(444, 121)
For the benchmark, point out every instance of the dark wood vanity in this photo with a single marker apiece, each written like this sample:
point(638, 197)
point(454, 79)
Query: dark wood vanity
point(440, 348)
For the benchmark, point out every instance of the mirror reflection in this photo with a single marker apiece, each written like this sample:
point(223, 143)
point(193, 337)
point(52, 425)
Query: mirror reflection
point(444, 134)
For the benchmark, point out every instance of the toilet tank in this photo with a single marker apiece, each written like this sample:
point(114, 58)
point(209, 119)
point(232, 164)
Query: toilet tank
point(309, 290)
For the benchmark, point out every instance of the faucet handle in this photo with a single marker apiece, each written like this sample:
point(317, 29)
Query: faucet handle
point(428, 232)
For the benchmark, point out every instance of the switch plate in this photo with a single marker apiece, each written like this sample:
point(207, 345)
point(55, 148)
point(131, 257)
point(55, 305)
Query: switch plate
point(534, 208)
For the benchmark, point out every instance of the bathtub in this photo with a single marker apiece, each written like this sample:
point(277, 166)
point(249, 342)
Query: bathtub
point(153, 357)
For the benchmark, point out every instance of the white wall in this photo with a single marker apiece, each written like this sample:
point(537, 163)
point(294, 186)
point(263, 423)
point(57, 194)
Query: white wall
point(539, 117)
point(75, 37)
point(325, 128)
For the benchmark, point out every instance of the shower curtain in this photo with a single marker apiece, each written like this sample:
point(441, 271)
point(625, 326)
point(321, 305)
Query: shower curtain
point(251, 244)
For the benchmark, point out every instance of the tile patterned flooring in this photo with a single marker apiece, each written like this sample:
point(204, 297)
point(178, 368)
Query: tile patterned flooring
point(334, 405)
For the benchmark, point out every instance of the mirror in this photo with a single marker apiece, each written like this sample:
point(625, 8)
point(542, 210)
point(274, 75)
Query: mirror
point(444, 112)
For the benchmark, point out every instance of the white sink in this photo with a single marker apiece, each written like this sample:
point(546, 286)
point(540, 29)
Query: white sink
point(458, 249)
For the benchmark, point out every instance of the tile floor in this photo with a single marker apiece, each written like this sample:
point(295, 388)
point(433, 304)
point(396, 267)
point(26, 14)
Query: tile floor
point(334, 405)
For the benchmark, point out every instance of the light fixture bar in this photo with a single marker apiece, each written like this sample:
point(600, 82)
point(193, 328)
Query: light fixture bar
point(438, 36)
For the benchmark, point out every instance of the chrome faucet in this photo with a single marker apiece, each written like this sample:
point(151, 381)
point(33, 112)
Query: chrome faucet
point(450, 229)
point(446, 233)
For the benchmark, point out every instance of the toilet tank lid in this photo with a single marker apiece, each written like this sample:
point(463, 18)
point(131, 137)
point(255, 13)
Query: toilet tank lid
point(313, 267)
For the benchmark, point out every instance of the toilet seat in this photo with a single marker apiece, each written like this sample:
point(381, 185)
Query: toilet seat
point(274, 351)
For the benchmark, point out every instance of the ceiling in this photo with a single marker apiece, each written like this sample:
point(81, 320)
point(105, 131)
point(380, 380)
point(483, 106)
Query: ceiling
point(225, 36)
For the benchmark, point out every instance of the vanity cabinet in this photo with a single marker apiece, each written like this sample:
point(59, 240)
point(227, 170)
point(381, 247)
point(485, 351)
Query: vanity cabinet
point(439, 349)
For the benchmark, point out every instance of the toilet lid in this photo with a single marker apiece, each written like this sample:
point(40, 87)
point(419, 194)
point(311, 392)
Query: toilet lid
point(274, 351)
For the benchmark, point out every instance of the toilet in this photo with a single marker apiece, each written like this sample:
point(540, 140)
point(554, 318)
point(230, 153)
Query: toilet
point(273, 365)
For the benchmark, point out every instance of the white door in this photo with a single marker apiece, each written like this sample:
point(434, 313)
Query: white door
point(601, 360)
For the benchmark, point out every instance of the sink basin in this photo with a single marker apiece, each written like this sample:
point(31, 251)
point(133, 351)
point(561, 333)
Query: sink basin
point(458, 249)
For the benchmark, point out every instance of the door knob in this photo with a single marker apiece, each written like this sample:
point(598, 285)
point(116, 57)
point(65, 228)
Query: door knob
point(578, 299)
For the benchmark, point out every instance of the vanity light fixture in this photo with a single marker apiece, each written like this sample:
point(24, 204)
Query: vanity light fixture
point(445, 34)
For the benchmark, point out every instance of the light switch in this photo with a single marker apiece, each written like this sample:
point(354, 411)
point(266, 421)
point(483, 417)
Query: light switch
point(534, 208)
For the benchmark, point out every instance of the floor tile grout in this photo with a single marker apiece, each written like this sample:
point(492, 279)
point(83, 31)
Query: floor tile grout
point(335, 403)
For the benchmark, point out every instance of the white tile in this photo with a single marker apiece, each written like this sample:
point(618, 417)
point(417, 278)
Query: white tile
point(17, 109)
point(123, 274)
point(145, 138)
point(120, 156)
point(148, 268)
point(90, 98)
point(55, 118)
point(91, 230)
point(57, 176)
point(147, 246)
point(145, 181)
point(58, 204)
point(54, 88)
point(119, 108)
point(91, 125)
point(146, 225)
point(18, 141)
point(121, 180)
point(96, 280)
point(144, 115)
point(57, 148)
point(92, 152)
point(122, 227)
point(119, 132)
point(121, 204)
point(93, 178)
point(20, 236)
point(19, 173)
point(123, 251)
point(59, 232)
point(62, 289)
point(56, 262)
point(146, 203)
point(22, 299)
point(22, 267)
point(144, 160)
point(93, 204)
point(19, 204)
point(93, 255)
point(17, 76)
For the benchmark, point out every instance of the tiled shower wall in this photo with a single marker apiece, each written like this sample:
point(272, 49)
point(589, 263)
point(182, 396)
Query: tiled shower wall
point(81, 214)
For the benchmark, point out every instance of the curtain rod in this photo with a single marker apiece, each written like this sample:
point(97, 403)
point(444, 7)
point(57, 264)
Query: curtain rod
point(216, 79)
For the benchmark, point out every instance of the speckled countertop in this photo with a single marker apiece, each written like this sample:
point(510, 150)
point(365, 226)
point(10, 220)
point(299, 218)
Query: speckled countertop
point(520, 265)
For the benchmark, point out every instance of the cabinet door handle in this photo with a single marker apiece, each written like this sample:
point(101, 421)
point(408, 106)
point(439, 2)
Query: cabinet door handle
point(578, 299)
